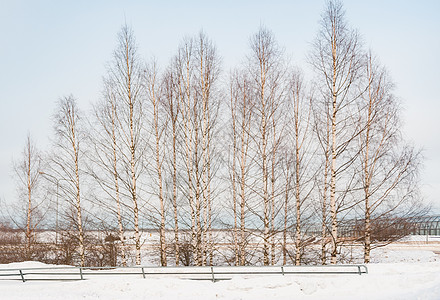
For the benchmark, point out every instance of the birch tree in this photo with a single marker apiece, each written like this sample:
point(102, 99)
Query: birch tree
point(105, 168)
point(322, 177)
point(28, 171)
point(336, 58)
point(208, 64)
point(125, 77)
point(172, 109)
point(241, 107)
point(184, 70)
point(388, 165)
point(266, 71)
point(154, 96)
point(303, 164)
point(197, 66)
point(66, 163)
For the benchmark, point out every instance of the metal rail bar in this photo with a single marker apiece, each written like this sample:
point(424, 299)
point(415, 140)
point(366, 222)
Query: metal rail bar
point(182, 267)
point(209, 272)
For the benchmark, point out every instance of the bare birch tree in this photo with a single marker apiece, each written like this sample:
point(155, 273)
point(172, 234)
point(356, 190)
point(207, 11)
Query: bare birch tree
point(105, 168)
point(184, 71)
point(286, 167)
point(197, 66)
point(158, 126)
point(233, 107)
point(303, 165)
point(336, 58)
point(125, 77)
point(241, 122)
point(28, 170)
point(208, 65)
point(322, 176)
point(388, 166)
point(172, 109)
point(266, 71)
point(65, 163)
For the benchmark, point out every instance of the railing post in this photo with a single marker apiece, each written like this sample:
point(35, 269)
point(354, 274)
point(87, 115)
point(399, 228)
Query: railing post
point(359, 270)
point(22, 276)
point(282, 270)
point(81, 273)
point(143, 272)
point(366, 269)
point(212, 273)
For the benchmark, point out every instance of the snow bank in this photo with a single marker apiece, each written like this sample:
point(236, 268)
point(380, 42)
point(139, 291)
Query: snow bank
point(390, 255)
point(396, 272)
point(384, 281)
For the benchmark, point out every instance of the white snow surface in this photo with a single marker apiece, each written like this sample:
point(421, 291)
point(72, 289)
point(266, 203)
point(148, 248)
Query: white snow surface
point(394, 274)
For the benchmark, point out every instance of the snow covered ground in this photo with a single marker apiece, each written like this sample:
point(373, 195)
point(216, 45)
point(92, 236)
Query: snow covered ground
point(399, 271)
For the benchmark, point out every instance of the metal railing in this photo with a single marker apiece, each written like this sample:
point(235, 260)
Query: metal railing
point(194, 273)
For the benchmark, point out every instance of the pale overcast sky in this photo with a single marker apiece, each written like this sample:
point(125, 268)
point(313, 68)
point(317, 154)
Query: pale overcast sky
point(54, 48)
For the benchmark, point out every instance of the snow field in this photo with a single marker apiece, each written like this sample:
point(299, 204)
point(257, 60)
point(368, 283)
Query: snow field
point(396, 273)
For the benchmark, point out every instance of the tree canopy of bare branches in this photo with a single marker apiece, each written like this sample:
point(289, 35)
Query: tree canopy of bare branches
point(278, 161)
